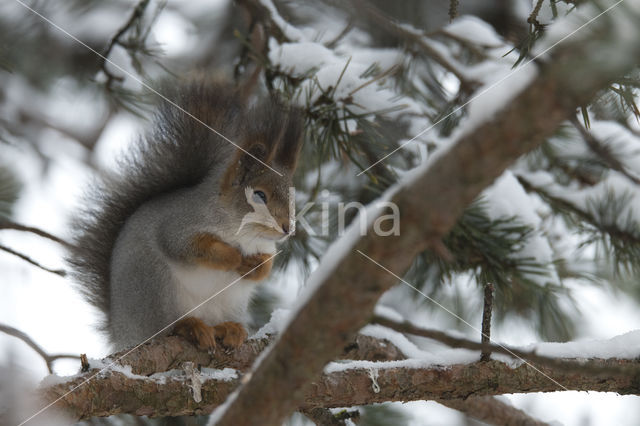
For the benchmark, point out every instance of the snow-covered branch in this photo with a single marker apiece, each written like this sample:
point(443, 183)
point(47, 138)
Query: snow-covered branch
point(158, 379)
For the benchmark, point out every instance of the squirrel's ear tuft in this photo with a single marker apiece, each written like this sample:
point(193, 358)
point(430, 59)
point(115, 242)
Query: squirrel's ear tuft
point(291, 141)
point(255, 150)
point(247, 163)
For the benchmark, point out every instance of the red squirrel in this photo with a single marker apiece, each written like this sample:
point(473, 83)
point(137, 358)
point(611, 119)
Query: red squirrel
point(167, 231)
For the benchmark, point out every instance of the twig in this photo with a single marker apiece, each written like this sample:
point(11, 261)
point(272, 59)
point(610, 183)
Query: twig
point(347, 28)
point(137, 13)
point(533, 17)
point(414, 36)
point(86, 139)
point(7, 224)
point(453, 9)
point(48, 359)
point(612, 229)
point(602, 151)
point(486, 322)
point(392, 70)
point(260, 13)
point(60, 272)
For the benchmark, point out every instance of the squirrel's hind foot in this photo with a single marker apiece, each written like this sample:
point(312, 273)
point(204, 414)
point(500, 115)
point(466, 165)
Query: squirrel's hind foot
point(196, 332)
point(231, 334)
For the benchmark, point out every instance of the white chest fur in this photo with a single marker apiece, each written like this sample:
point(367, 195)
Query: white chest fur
point(217, 296)
point(211, 295)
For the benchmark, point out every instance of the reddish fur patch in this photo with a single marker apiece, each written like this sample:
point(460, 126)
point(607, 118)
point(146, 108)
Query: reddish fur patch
point(250, 262)
point(213, 253)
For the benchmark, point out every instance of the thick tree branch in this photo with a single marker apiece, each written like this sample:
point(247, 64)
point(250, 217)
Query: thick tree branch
point(171, 353)
point(348, 285)
point(114, 392)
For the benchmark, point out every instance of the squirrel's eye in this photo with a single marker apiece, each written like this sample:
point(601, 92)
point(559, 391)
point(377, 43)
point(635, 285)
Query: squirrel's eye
point(261, 196)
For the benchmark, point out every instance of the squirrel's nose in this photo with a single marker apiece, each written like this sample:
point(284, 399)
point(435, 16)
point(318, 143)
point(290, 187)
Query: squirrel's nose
point(285, 228)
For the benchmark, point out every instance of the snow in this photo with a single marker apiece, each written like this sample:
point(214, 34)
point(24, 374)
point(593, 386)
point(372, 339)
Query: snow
point(173, 33)
point(388, 312)
point(277, 324)
point(623, 145)
point(588, 199)
point(584, 21)
point(289, 31)
point(474, 30)
point(626, 346)
point(224, 375)
point(342, 74)
point(409, 349)
point(338, 367)
point(507, 198)
point(501, 84)
point(53, 379)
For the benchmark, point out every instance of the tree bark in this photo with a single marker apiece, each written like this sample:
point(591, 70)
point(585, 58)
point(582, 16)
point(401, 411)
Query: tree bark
point(114, 392)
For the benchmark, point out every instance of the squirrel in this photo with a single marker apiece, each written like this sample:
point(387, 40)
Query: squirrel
point(167, 232)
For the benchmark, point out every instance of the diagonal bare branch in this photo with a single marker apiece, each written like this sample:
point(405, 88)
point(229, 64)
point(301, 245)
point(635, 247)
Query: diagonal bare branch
point(48, 359)
point(26, 258)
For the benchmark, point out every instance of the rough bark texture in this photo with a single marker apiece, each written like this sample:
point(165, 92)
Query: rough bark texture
point(170, 352)
point(429, 207)
point(113, 392)
point(109, 392)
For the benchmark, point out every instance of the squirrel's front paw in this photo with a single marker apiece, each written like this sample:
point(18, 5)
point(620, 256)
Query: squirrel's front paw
point(231, 334)
point(257, 266)
point(213, 253)
point(196, 332)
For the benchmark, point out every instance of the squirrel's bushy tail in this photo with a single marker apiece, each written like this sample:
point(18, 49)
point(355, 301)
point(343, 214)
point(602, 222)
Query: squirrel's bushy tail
point(178, 153)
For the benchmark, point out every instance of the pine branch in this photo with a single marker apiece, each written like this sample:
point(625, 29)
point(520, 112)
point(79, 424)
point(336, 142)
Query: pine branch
point(611, 229)
point(412, 36)
point(602, 151)
point(349, 285)
point(135, 16)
